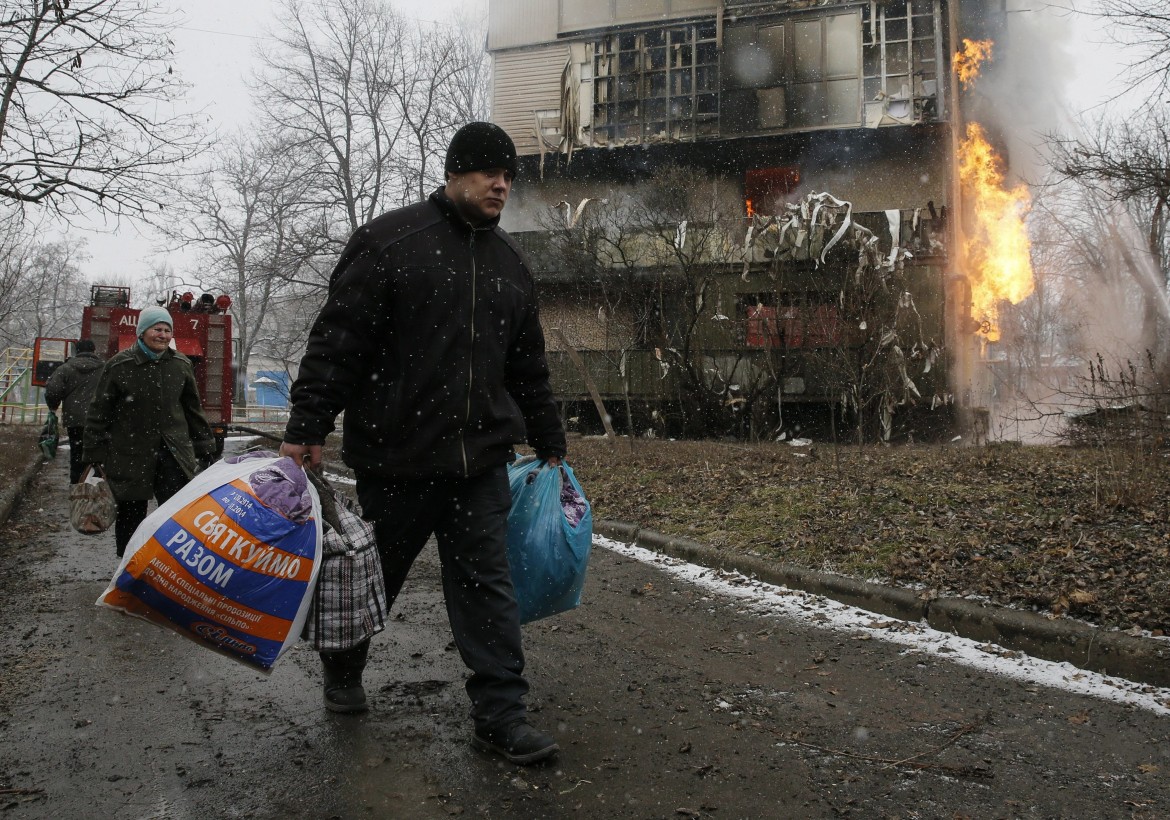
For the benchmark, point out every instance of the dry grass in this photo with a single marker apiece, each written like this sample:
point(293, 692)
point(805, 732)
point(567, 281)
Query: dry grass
point(18, 445)
point(1038, 527)
point(1057, 530)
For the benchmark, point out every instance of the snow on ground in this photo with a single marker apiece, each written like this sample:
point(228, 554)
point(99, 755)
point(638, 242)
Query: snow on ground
point(773, 601)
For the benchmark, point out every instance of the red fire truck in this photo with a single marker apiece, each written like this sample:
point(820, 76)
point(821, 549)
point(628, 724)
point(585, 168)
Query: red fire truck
point(203, 333)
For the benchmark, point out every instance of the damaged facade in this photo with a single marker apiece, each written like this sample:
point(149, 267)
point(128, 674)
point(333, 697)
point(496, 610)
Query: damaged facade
point(795, 269)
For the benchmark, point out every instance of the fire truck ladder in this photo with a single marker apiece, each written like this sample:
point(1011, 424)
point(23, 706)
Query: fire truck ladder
point(15, 367)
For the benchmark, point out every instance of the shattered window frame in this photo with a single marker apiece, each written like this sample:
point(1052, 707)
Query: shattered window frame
point(902, 56)
point(824, 90)
point(795, 72)
point(656, 85)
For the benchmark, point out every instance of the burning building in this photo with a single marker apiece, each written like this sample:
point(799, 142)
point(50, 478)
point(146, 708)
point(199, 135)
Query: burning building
point(753, 213)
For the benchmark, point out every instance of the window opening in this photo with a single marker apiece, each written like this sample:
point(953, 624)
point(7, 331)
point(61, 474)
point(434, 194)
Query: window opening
point(826, 88)
point(803, 72)
point(795, 73)
point(790, 319)
point(656, 85)
point(765, 189)
point(902, 59)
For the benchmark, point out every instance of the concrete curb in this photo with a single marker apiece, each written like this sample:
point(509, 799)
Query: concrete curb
point(10, 496)
point(1143, 660)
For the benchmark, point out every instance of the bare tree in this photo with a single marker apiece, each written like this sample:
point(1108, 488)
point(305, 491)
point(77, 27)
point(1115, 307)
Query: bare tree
point(652, 260)
point(15, 278)
point(328, 90)
point(691, 222)
point(852, 315)
point(466, 96)
point(284, 330)
point(61, 290)
point(1144, 25)
point(604, 304)
point(86, 105)
point(242, 216)
point(442, 85)
point(1094, 302)
point(156, 288)
point(357, 106)
point(1081, 343)
point(365, 101)
point(732, 310)
point(42, 288)
point(1125, 162)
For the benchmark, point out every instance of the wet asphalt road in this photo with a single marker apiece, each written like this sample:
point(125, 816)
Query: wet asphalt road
point(667, 704)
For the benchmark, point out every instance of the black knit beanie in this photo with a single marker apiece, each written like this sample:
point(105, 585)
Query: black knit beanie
point(479, 146)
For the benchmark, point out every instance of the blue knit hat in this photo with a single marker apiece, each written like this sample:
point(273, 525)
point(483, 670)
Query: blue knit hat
point(151, 316)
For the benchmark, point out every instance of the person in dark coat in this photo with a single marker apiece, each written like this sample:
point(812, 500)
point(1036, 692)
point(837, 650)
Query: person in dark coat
point(71, 387)
point(431, 343)
point(145, 425)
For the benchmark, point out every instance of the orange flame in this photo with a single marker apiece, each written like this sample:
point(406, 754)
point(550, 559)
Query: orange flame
point(970, 59)
point(997, 250)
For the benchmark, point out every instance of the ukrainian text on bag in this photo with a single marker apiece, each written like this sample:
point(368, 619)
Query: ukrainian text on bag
point(230, 561)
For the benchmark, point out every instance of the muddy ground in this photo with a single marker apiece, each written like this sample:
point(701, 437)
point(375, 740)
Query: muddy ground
point(667, 704)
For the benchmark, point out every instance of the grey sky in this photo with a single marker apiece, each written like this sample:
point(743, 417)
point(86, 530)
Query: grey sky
point(214, 51)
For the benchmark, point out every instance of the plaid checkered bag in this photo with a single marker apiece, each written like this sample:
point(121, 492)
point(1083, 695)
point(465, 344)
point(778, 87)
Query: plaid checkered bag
point(349, 604)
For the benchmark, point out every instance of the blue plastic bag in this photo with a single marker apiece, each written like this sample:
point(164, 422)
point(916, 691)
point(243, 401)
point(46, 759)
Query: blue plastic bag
point(550, 534)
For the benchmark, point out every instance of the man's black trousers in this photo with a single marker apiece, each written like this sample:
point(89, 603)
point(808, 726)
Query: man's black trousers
point(469, 518)
point(76, 466)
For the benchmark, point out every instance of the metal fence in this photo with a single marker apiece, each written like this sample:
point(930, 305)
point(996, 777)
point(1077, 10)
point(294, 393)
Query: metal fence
point(259, 414)
point(31, 409)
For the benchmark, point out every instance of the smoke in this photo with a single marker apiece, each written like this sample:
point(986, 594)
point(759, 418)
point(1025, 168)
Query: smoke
point(1023, 93)
point(1045, 72)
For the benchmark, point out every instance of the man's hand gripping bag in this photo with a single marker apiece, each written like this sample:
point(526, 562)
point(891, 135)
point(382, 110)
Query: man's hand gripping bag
point(230, 561)
point(550, 534)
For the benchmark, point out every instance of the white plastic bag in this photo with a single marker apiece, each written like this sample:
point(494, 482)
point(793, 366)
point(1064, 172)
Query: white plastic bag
point(217, 565)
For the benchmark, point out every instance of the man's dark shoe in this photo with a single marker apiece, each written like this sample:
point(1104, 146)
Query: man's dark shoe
point(345, 698)
point(343, 679)
point(517, 742)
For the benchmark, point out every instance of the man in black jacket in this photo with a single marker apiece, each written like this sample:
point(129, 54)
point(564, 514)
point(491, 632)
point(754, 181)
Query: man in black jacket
point(430, 341)
point(71, 387)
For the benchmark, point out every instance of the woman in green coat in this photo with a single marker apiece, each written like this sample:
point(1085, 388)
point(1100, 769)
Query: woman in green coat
point(145, 426)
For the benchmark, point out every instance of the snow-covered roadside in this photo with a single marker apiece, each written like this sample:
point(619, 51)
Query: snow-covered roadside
point(769, 600)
